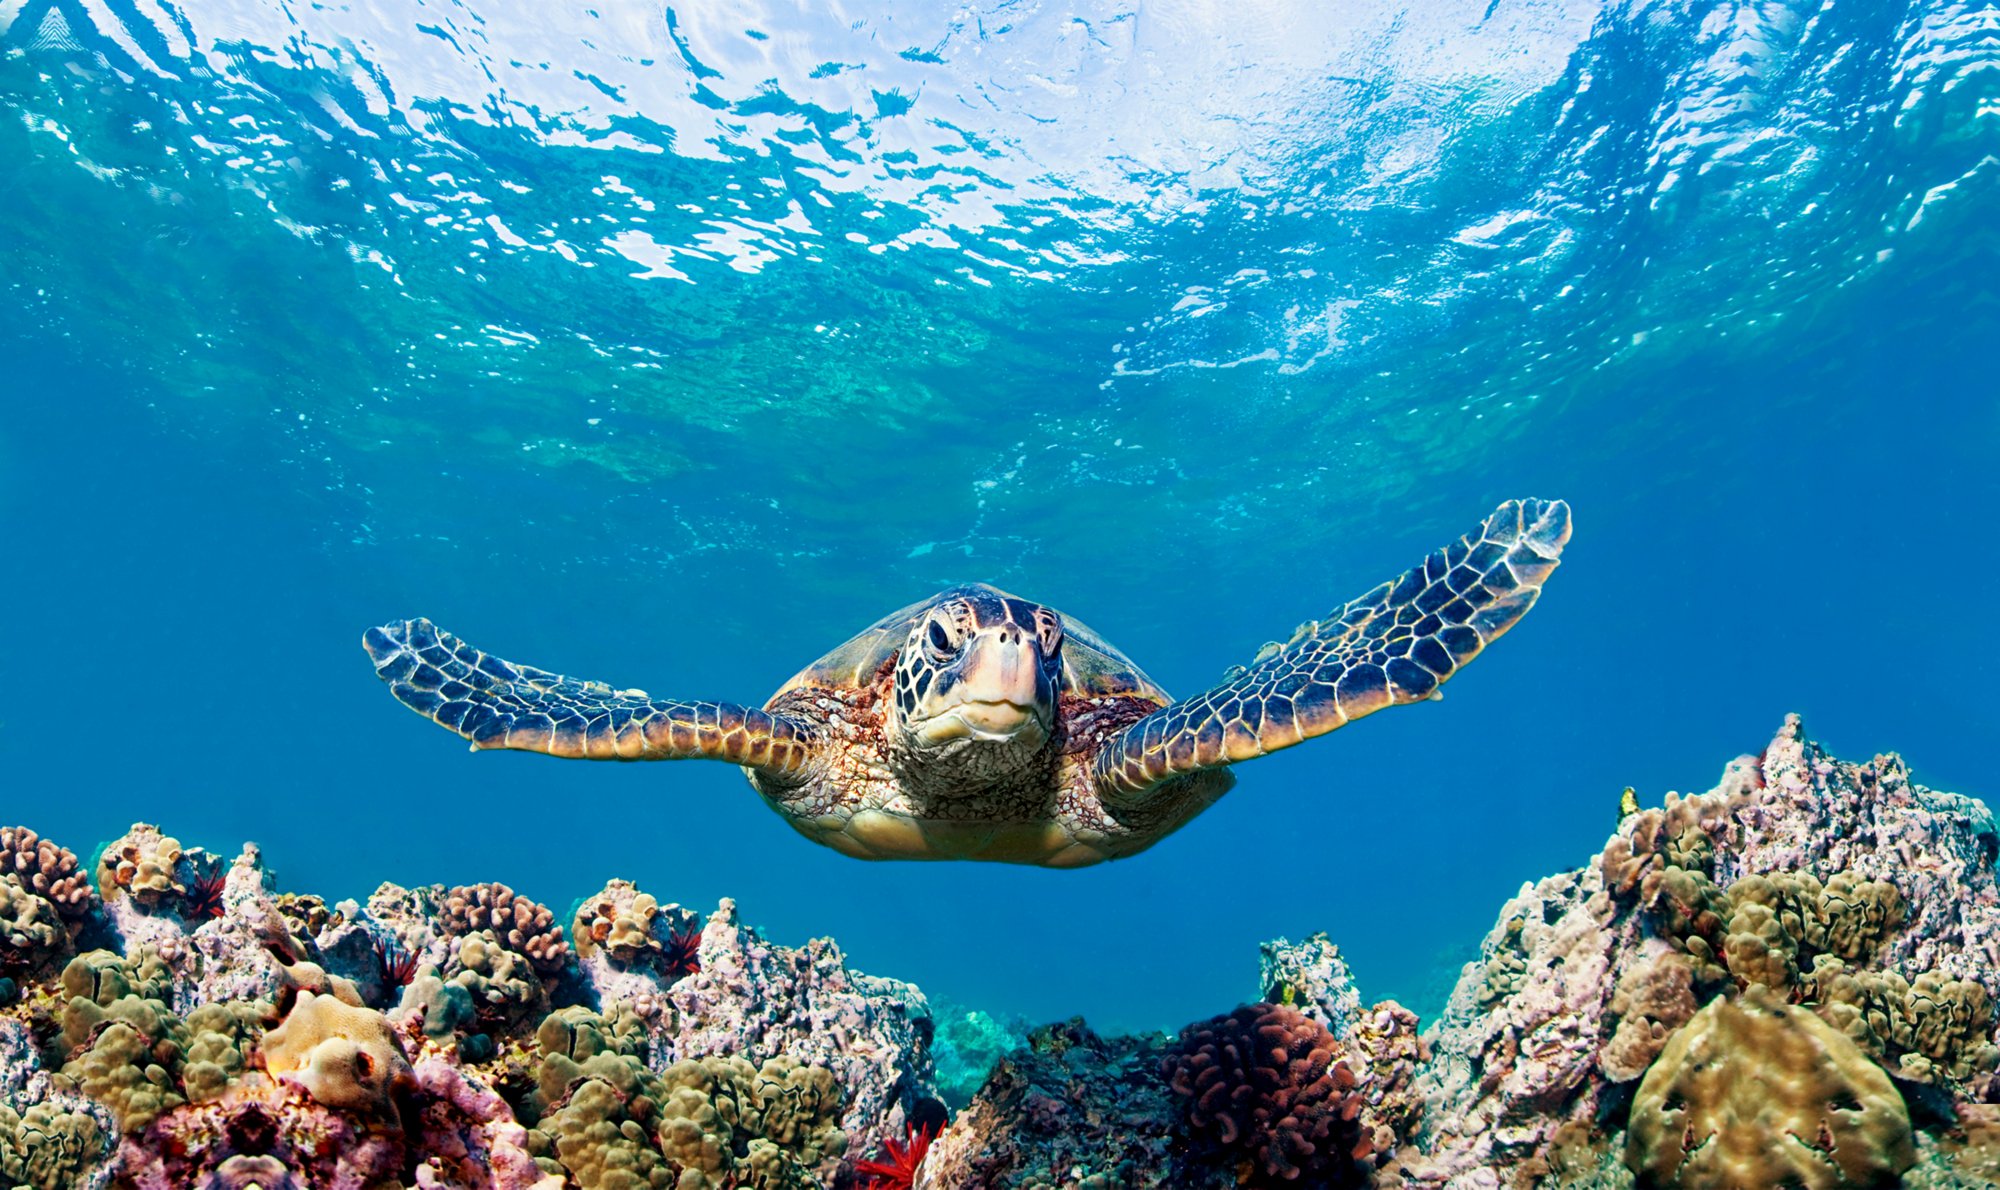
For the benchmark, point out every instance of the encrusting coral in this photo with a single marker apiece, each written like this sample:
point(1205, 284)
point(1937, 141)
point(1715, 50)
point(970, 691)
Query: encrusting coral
point(1755, 1092)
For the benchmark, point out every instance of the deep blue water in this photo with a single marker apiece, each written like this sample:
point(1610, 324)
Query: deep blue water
point(670, 346)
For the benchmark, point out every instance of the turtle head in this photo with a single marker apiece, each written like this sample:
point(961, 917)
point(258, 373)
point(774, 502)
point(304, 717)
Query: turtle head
point(979, 670)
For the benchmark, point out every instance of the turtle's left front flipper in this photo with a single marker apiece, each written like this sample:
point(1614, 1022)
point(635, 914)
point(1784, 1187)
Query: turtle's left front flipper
point(498, 704)
point(1394, 645)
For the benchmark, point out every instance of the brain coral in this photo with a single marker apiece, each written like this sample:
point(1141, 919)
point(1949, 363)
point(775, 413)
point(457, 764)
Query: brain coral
point(32, 934)
point(48, 1147)
point(1264, 1085)
point(1754, 1092)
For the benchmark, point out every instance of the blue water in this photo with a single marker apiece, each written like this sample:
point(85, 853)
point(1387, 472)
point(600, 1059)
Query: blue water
point(670, 346)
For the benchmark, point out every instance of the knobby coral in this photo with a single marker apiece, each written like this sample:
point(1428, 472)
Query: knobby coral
point(1265, 1087)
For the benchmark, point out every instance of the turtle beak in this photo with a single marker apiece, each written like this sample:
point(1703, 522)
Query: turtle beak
point(996, 692)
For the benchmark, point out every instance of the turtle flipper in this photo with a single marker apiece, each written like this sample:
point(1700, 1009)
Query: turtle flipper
point(1394, 645)
point(497, 704)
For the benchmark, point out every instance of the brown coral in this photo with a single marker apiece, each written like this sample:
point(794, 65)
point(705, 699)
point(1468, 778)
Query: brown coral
point(618, 921)
point(1754, 1092)
point(1677, 835)
point(1265, 1085)
point(522, 925)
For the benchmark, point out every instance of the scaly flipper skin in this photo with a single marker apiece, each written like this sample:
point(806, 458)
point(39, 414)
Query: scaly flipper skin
point(497, 704)
point(1394, 645)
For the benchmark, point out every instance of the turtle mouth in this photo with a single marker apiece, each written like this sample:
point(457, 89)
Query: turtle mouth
point(995, 721)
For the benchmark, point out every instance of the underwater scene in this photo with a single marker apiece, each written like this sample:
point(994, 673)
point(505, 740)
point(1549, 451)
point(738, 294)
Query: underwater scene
point(1010, 435)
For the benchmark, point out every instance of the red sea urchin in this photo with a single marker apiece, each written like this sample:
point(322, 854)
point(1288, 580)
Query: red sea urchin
point(398, 966)
point(897, 1169)
point(204, 894)
point(682, 955)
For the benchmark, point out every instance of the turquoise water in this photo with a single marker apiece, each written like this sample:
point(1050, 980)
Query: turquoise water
point(671, 346)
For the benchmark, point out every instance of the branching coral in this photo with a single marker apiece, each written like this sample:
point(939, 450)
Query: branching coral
point(46, 870)
point(1265, 1085)
point(1754, 1092)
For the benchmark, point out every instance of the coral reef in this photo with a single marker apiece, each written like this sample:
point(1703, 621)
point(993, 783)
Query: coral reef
point(1786, 980)
point(1827, 930)
point(220, 1033)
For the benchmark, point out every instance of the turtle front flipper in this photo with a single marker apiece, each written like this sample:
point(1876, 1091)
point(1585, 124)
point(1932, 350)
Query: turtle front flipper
point(1396, 644)
point(498, 704)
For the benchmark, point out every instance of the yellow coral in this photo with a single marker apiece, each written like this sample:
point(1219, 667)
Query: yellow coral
point(126, 1068)
point(220, 1038)
point(1754, 1092)
point(1759, 950)
point(595, 1138)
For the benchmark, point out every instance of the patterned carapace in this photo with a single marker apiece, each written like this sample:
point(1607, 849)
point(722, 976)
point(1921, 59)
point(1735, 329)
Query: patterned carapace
point(978, 725)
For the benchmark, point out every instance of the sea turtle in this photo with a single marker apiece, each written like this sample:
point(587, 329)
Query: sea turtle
point(978, 725)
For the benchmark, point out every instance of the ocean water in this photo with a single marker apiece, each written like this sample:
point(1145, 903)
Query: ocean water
point(671, 345)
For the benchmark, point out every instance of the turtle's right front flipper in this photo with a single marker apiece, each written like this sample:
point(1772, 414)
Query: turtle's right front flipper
point(497, 704)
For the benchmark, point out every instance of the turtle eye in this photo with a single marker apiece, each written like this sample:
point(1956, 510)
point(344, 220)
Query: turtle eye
point(938, 638)
point(1049, 629)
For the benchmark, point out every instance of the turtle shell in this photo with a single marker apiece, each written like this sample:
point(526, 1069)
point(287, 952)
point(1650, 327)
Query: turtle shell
point(1091, 666)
